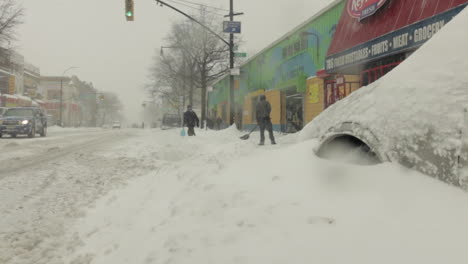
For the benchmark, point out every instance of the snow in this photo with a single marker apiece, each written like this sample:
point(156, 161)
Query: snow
point(46, 182)
point(217, 199)
point(150, 196)
point(415, 111)
point(23, 147)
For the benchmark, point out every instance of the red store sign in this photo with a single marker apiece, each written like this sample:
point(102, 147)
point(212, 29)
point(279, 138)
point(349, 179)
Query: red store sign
point(362, 9)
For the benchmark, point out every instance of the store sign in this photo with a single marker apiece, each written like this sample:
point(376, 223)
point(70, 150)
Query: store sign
point(314, 93)
point(361, 9)
point(398, 41)
point(12, 85)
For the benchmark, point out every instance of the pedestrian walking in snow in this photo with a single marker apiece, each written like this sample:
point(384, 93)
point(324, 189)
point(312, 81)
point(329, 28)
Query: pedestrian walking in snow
point(263, 110)
point(219, 121)
point(190, 120)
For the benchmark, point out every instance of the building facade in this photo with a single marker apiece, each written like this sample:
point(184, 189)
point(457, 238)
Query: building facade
point(349, 44)
point(61, 97)
point(31, 81)
point(88, 102)
point(7, 80)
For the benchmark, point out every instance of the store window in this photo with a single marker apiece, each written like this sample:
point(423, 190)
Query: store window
point(376, 69)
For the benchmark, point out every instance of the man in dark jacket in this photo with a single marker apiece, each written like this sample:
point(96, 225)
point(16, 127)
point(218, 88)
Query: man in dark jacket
point(190, 120)
point(263, 110)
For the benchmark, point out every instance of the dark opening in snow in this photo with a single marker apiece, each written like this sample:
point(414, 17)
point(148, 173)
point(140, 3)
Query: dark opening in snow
point(349, 149)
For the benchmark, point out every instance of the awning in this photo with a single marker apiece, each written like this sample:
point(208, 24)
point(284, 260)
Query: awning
point(396, 26)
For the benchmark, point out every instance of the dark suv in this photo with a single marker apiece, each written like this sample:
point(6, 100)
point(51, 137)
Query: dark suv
point(24, 121)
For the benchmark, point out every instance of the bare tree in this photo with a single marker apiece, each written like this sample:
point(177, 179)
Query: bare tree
point(110, 107)
point(208, 53)
point(11, 16)
point(168, 81)
point(196, 59)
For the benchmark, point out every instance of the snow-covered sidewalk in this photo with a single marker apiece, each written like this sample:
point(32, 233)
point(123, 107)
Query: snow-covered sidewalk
point(216, 199)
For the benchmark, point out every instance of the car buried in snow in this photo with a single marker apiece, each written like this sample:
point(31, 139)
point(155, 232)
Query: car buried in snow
point(416, 115)
point(23, 121)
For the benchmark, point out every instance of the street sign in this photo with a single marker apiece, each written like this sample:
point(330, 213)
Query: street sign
point(240, 54)
point(235, 71)
point(232, 27)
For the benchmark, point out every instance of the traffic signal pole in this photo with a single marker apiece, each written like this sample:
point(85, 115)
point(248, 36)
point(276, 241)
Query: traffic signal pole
point(231, 66)
point(162, 3)
point(230, 44)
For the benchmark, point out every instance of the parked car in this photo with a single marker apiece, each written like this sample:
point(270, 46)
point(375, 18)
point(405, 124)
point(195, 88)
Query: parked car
point(116, 125)
point(23, 121)
point(416, 115)
point(171, 120)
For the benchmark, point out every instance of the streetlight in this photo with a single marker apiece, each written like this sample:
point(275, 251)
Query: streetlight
point(61, 92)
point(144, 114)
point(229, 43)
point(317, 38)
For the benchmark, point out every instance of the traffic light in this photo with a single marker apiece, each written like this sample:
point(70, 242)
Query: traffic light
point(129, 10)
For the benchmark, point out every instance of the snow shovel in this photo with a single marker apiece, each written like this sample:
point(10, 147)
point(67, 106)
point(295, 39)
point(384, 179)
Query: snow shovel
point(246, 136)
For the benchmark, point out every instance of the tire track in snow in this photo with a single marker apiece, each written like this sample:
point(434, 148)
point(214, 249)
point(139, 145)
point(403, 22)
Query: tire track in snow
point(54, 153)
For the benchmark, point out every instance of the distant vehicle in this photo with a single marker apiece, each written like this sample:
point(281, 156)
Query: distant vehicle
point(2, 111)
point(116, 125)
point(23, 121)
point(50, 119)
point(171, 120)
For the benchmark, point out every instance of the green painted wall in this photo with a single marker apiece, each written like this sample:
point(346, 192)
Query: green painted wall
point(288, 64)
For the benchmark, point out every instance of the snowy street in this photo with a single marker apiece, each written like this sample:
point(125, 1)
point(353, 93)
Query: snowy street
point(150, 196)
point(234, 132)
point(45, 181)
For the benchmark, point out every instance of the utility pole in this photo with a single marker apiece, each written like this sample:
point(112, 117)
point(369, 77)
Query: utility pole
point(61, 93)
point(231, 66)
point(230, 44)
point(232, 106)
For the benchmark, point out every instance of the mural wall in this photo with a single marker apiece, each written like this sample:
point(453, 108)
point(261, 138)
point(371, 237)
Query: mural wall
point(286, 65)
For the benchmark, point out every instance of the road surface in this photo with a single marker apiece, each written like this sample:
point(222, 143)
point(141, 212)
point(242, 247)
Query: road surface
point(44, 182)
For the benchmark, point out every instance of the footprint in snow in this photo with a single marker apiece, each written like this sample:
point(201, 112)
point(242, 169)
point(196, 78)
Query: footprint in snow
point(321, 220)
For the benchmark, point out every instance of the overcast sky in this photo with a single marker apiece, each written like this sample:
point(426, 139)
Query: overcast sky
point(115, 55)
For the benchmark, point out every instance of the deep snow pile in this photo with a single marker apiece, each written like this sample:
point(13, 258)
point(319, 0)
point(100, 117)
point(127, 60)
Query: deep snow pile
point(216, 199)
point(421, 102)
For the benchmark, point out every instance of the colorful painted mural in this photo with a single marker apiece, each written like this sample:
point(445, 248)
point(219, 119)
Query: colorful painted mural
point(348, 45)
point(286, 65)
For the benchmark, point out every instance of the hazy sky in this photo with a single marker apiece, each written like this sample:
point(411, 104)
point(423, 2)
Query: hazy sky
point(115, 55)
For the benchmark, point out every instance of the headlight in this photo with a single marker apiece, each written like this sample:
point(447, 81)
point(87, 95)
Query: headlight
point(25, 122)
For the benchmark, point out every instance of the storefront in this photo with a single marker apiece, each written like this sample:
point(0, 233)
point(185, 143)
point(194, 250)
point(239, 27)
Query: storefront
point(374, 37)
point(280, 72)
point(349, 44)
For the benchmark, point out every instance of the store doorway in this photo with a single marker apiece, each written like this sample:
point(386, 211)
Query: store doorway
point(337, 89)
point(371, 75)
point(254, 108)
point(293, 111)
